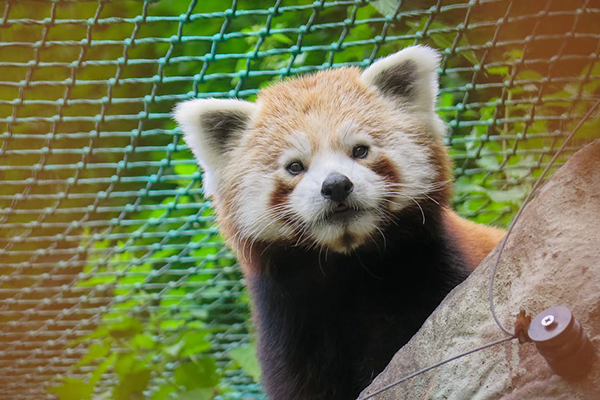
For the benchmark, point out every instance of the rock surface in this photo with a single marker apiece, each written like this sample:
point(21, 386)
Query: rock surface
point(551, 258)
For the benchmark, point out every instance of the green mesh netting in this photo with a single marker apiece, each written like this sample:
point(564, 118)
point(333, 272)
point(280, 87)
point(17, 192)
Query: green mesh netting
point(114, 282)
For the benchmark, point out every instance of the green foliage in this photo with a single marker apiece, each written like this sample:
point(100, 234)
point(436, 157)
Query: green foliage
point(72, 389)
point(245, 357)
point(181, 360)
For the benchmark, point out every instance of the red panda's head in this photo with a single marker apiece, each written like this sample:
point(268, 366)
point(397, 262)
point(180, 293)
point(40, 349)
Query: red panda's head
point(325, 160)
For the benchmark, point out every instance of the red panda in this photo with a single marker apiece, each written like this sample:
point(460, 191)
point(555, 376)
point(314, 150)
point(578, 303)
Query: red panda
point(333, 189)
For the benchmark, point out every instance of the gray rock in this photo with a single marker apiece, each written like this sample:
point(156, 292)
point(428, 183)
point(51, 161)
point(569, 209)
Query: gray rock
point(551, 258)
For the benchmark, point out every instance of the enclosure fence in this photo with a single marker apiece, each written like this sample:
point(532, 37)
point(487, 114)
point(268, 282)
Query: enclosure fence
point(114, 281)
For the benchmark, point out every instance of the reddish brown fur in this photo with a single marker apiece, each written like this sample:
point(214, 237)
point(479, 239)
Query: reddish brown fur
point(384, 167)
point(322, 103)
point(443, 165)
point(319, 98)
point(281, 194)
point(475, 240)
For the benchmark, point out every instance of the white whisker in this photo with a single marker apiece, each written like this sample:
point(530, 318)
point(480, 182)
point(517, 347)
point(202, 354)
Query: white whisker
point(420, 208)
point(383, 237)
point(320, 265)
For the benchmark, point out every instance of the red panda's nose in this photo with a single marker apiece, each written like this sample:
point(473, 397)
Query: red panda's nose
point(336, 187)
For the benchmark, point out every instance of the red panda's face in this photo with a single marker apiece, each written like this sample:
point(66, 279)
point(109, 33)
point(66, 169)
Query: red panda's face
point(323, 161)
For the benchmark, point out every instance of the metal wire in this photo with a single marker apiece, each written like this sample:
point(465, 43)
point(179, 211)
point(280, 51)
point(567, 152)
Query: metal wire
point(536, 185)
point(434, 366)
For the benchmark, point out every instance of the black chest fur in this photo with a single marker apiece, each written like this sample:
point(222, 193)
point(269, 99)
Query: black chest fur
point(328, 324)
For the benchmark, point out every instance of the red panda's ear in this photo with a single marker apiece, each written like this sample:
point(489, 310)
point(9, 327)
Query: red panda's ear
point(211, 128)
point(408, 76)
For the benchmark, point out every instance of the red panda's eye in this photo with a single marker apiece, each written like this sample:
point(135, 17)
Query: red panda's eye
point(360, 152)
point(295, 167)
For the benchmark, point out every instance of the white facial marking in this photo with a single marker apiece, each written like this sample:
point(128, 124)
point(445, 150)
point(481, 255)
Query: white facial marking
point(315, 211)
point(312, 216)
point(299, 150)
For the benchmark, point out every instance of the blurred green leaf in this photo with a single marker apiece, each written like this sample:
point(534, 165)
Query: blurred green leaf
point(488, 162)
point(174, 349)
point(95, 352)
point(185, 169)
point(164, 392)
point(196, 394)
point(72, 389)
point(194, 343)
point(515, 195)
point(123, 364)
point(498, 70)
point(133, 384)
point(126, 328)
point(143, 341)
point(199, 374)
point(101, 369)
point(245, 357)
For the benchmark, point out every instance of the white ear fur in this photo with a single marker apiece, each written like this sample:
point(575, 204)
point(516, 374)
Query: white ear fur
point(409, 76)
point(211, 127)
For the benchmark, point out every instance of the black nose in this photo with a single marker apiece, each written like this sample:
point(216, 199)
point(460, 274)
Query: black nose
point(336, 187)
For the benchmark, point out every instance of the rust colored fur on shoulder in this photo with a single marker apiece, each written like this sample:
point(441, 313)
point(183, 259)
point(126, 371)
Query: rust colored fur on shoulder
point(475, 240)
